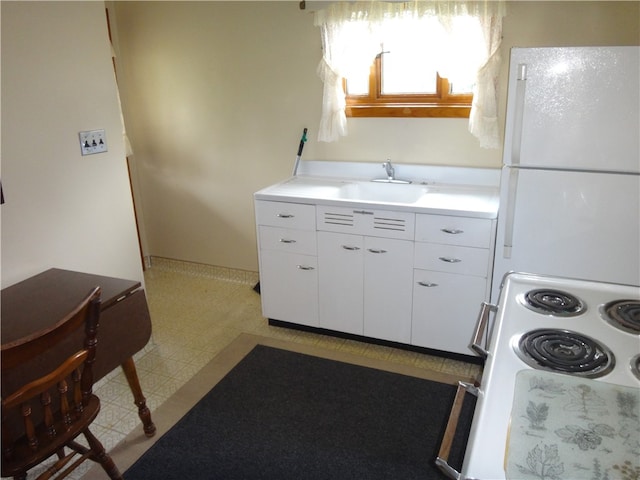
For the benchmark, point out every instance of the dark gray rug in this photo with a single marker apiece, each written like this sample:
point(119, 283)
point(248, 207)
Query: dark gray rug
point(280, 415)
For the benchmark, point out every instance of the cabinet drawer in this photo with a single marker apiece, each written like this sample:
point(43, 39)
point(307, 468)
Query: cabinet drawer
point(365, 221)
point(451, 230)
point(452, 259)
point(289, 215)
point(288, 240)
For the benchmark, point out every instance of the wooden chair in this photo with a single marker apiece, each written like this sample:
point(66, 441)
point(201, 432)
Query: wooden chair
point(46, 415)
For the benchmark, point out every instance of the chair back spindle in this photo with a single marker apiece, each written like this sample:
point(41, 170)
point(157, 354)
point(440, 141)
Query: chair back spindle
point(57, 407)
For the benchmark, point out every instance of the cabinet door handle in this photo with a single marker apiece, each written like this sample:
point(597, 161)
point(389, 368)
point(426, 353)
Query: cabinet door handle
point(284, 215)
point(377, 250)
point(427, 284)
point(452, 231)
point(304, 267)
point(287, 240)
point(350, 247)
point(450, 259)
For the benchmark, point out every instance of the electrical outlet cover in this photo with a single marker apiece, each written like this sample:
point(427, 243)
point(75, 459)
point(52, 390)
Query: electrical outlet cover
point(93, 141)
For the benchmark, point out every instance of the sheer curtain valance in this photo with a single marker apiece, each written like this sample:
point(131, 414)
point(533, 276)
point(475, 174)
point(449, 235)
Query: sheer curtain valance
point(466, 52)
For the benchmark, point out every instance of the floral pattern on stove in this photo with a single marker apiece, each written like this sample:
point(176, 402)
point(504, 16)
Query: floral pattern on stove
point(544, 463)
point(547, 385)
point(585, 401)
point(585, 438)
point(568, 427)
point(628, 405)
point(537, 413)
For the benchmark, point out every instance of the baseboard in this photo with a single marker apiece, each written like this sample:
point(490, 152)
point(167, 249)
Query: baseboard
point(203, 270)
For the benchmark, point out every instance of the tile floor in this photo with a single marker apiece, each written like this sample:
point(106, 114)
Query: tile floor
point(196, 312)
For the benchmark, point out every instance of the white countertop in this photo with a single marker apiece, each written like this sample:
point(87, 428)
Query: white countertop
point(469, 200)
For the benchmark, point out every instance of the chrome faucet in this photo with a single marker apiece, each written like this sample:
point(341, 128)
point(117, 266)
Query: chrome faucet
point(390, 171)
point(391, 174)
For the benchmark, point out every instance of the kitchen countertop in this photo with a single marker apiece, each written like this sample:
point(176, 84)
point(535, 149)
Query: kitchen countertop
point(469, 200)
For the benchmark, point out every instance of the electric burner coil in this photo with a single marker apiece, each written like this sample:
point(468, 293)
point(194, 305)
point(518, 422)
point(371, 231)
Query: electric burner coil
point(623, 314)
point(564, 351)
point(634, 364)
point(553, 302)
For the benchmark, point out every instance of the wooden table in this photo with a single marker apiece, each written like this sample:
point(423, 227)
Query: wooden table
point(125, 325)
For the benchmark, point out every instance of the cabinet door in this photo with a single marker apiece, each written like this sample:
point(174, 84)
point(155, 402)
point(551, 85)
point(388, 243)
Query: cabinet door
point(388, 275)
point(289, 287)
point(445, 308)
point(340, 261)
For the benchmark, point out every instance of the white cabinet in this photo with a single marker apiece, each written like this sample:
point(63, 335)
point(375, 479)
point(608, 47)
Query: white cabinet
point(387, 289)
point(288, 261)
point(390, 275)
point(445, 308)
point(341, 286)
point(365, 285)
point(365, 263)
point(452, 277)
point(289, 287)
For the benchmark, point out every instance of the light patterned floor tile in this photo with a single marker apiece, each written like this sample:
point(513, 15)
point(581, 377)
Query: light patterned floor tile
point(195, 315)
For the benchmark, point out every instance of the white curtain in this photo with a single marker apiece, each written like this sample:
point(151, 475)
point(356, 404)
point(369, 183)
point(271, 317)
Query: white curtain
point(352, 34)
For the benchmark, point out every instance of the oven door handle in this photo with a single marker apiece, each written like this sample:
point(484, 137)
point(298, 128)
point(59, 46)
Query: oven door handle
point(482, 330)
point(442, 460)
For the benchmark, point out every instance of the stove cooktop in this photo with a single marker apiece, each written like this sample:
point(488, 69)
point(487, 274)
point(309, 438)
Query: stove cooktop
point(570, 326)
point(566, 320)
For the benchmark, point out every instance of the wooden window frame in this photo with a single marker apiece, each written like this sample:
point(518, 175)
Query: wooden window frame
point(375, 104)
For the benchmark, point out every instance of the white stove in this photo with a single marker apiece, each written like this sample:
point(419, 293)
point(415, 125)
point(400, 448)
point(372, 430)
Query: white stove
point(567, 323)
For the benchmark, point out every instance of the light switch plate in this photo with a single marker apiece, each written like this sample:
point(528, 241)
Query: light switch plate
point(93, 141)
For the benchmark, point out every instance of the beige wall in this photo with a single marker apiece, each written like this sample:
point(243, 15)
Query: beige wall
point(62, 209)
point(216, 95)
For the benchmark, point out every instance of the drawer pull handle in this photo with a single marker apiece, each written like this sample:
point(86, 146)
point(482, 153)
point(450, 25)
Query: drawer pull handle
point(427, 284)
point(304, 267)
point(287, 240)
point(452, 231)
point(350, 247)
point(450, 259)
point(284, 215)
point(377, 250)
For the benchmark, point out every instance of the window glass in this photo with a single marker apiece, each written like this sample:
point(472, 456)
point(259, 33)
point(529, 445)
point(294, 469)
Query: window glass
point(358, 84)
point(408, 65)
point(409, 56)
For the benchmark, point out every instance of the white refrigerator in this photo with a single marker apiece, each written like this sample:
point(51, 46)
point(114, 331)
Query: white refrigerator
point(570, 185)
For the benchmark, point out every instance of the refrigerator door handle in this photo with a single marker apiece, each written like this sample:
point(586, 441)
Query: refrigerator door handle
point(521, 83)
point(510, 213)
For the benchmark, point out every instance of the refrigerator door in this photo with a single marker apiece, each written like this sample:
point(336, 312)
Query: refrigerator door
point(574, 108)
point(572, 224)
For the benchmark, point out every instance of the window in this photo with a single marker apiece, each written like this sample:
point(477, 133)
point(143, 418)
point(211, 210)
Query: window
point(404, 79)
point(404, 89)
point(411, 59)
